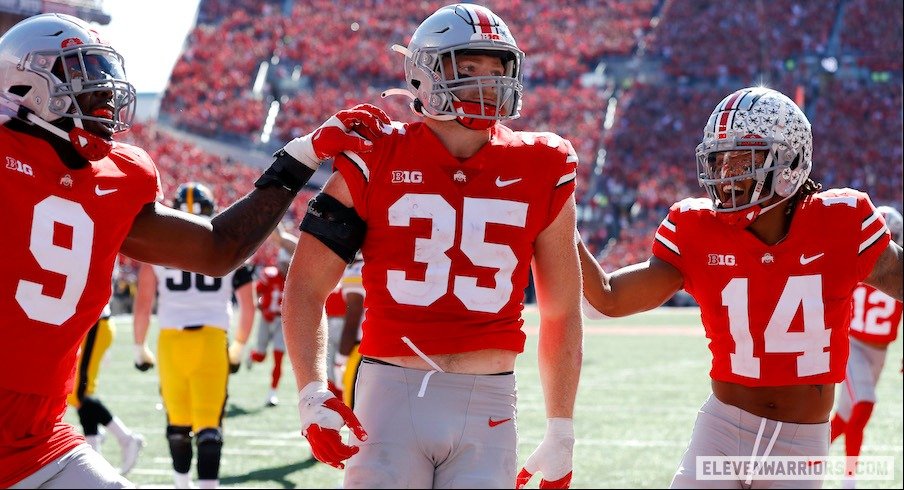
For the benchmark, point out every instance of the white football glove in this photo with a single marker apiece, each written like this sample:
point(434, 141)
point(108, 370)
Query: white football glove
point(322, 416)
point(144, 358)
point(552, 458)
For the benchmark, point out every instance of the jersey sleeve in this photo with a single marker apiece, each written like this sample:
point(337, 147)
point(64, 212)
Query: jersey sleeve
point(142, 167)
point(357, 168)
point(667, 241)
point(243, 275)
point(873, 236)
point(564, 174)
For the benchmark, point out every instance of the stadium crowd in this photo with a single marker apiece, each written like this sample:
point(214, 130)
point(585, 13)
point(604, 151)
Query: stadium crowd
point(630, 172)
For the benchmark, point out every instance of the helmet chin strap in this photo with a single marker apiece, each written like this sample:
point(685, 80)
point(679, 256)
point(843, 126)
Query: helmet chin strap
point(415, 105)
point(88, 145)
point(745, 217)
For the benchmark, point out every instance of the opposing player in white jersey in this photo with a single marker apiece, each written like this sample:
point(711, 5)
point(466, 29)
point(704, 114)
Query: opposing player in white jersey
point(875, 320)
point(194, 313)
point(451, 213)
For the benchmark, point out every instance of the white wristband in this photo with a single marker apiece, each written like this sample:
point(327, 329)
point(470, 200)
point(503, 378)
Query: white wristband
point(560, 427)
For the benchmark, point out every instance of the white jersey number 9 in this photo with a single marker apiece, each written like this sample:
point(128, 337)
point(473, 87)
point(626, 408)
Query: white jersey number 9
point(70, 262)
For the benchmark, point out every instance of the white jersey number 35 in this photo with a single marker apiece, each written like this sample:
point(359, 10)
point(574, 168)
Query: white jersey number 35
point(475, 214)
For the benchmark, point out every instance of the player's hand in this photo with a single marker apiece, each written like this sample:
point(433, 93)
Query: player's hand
point(235, 356)
point(322, 415)
point(348, 130)
point(552, 458)
point(144, 358)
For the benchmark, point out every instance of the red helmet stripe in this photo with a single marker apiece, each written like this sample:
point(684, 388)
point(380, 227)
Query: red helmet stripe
point(726, 113)
point(483, 20)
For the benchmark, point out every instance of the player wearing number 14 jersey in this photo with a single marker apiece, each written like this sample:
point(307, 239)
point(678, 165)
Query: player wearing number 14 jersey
point(772, 262)
point(455, 209)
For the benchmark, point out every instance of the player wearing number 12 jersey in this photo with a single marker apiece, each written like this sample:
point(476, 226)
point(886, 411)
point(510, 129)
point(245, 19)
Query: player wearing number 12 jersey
point(455, 209)
point(72, 198)
point(772, 263)
point(875, 320)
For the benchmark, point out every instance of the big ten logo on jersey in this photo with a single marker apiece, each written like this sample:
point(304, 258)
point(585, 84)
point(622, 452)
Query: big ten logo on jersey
point(720, 259)
point(13, 164)
point(407, 177)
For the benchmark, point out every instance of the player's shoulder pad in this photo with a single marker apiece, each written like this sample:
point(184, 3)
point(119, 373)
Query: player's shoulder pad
point(366, 162)
point(547, 141)
point(132, 154)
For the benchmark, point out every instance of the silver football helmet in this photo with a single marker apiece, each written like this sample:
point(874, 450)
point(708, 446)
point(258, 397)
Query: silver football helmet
point(756, 119)
point(455, 30)
point(895, 223)
point(48, 60)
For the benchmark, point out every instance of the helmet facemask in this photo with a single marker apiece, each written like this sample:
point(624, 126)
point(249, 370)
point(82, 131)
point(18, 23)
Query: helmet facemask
point(477, 101)
point(81, 70)
point(725, 163)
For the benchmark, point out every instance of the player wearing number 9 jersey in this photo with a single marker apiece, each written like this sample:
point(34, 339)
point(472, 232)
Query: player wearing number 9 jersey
point(772, 262)
point(72, 198)
point(455, 209)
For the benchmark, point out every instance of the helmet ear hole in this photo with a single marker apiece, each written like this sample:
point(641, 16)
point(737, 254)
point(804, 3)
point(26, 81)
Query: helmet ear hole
point(19, 90)
point(796, 162)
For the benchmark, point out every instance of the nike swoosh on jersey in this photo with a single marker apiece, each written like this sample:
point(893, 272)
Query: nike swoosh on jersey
point(494, 423)
point(504, 183)
point(806, 260)
point(103, 192)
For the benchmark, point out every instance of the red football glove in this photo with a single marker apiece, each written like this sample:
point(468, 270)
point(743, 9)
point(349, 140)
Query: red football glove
point(553, 457)
point(335, 135)
point(322, 415)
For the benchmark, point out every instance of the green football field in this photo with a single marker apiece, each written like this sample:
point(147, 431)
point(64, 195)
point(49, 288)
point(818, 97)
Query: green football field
point(644, 377)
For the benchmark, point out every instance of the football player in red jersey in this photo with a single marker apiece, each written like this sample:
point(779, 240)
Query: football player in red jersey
point(269, 287)
point(772, 262)
point(874, 325)
point(454, 208)
point(72, 199)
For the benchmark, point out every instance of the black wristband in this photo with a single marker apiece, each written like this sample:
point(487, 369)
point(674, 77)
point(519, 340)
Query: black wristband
point(286, 172)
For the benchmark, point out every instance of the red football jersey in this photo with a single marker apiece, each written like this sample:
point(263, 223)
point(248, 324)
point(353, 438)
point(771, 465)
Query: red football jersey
point(449, 241)
point(270, 288)
point(776, 315)
point(876, 316)
point(64, 228)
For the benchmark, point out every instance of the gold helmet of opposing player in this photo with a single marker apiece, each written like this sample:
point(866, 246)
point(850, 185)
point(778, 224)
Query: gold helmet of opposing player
point(194, 198)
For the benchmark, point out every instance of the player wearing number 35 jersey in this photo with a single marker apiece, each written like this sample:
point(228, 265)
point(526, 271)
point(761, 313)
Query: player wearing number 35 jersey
point(456, 209)
point(772, 262)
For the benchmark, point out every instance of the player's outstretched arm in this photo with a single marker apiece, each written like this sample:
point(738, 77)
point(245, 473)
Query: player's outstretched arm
point(888, 272)
point(304, 329)
point(631, 289)
point(141, 316)
point(558, 283)
point(244, 295)
point(163, 236)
